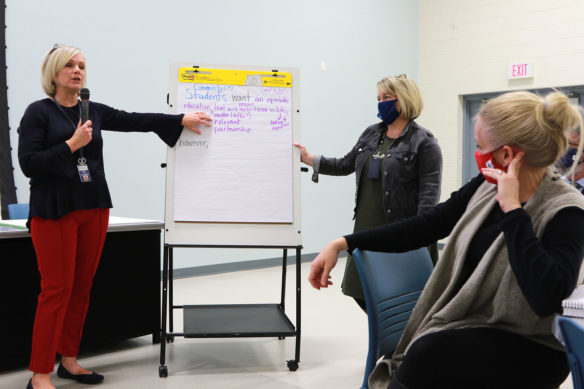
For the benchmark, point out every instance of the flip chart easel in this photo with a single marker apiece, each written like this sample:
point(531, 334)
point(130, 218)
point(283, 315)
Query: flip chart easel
point(239, 182)
point(237, 185)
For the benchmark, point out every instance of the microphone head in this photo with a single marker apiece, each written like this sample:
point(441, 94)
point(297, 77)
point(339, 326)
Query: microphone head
point(84, 94)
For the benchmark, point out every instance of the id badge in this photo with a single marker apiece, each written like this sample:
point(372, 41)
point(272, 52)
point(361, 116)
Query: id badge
point(83, 170)
point(374, 164)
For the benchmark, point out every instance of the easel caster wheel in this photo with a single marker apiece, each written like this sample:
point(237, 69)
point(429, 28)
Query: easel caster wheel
point(292, 365)
point(170, 339)
point(162, 371)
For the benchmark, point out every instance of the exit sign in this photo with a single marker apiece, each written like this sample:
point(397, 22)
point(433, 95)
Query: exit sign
point(520, 70)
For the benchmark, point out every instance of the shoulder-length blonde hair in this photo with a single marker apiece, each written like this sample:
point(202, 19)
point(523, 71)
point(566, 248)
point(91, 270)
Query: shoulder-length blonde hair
point(54, 61)
point(407, 93)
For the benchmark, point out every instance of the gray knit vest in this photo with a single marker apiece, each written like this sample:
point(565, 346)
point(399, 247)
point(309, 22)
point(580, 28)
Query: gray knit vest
point(490, 297)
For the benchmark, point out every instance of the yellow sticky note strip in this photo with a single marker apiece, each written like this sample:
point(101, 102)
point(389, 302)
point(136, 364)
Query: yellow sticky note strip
point(235, 77)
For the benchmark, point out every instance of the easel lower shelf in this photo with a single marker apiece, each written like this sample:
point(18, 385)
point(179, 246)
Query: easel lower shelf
point(236, 320)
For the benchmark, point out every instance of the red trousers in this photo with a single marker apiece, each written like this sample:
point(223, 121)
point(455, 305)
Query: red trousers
point(68, 252)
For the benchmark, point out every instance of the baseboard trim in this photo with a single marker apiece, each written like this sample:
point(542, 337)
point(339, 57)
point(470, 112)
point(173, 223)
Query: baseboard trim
point(237, 266)
point(244, 265)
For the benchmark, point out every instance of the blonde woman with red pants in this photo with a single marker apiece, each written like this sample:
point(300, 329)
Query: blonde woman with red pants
point(70, 202)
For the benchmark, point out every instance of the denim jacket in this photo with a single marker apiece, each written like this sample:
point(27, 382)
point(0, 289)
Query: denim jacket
point(412, 170)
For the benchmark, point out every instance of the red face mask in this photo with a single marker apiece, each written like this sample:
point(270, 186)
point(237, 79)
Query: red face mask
point(486, 160)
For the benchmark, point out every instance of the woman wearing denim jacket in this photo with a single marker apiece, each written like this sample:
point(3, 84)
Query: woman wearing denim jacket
point(398, 166)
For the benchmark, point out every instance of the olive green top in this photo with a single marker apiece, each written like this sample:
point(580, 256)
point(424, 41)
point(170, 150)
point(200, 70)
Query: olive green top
point(368, 214)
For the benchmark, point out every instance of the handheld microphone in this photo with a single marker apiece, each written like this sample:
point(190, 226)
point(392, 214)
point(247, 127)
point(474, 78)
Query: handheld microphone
point(84, 95)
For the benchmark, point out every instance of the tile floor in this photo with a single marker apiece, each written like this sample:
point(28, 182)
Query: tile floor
point(333, 342)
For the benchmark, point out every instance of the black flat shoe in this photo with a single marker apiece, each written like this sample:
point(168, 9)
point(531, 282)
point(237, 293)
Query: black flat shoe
point(90, 379)
point(29, 386)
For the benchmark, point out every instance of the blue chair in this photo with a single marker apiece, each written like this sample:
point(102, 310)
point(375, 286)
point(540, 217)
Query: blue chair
point(392, 283)
point(573, 336)
point(18, 211)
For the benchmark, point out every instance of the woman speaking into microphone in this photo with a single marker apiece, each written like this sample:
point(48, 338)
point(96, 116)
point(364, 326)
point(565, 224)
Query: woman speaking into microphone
point(70, 202)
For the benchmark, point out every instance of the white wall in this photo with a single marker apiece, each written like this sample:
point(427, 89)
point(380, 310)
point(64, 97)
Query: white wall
point(465, 47)
point(129, 46)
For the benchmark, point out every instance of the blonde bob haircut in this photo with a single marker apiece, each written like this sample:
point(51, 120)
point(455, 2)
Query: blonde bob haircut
point(407, 93)
point(537, 125)
point(54, 61)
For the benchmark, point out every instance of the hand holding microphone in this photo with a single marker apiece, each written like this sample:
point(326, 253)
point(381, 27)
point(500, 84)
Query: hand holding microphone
point(83, 134)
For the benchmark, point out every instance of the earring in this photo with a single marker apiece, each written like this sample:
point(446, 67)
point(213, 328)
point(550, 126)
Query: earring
point(504, 164)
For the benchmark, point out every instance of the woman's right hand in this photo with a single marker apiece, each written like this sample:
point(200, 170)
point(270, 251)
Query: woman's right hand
point(324, 262)
point(81, 137)
point(305, 156)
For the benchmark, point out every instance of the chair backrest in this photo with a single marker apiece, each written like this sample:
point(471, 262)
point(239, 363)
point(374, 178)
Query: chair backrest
point(392, 283)
point(18, 211)
point(573, 336)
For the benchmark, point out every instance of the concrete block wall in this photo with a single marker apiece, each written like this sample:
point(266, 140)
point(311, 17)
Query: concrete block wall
point(466, 46)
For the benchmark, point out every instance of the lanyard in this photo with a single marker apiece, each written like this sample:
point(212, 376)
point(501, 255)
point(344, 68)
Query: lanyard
point(81, 160)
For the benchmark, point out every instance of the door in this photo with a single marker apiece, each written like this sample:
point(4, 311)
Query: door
point(472, 105)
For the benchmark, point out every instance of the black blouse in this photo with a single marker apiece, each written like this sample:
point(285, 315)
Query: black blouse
point(55, 186)
point(546, 269)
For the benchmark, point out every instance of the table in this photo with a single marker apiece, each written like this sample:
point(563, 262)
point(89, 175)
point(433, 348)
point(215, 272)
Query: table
point(125, 299)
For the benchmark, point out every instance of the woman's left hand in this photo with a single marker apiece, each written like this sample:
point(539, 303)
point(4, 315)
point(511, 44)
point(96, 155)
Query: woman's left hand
point(507, 183)
point(194, 120)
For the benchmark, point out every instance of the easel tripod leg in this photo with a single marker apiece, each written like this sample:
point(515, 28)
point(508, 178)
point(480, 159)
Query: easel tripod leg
point(293, 364)
point(283, 295)
point(162, 369)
